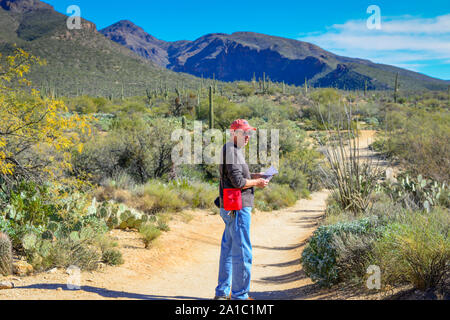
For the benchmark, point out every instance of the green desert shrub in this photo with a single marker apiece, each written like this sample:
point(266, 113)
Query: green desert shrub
point(416, 250)
point(323, 258)
point(83, 104)
point(418, 140)
point(141, 148)
point(166, 198)
point(112, 257)
point(385, 208)
point(225, 111)
point(267, 110)
point(162, 222)
point(353, 255)
point(245, 89)
point(45, 254)
point(197, 194)
point(275, 197)
point(299, 170)
point(149, 232)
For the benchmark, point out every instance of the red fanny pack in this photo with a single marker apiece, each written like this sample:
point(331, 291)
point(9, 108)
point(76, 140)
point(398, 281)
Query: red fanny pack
point(232, 199)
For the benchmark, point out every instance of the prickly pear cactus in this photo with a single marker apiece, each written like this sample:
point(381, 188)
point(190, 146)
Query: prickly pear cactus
point(5, 255)
point(29, 241)
point(117, 215)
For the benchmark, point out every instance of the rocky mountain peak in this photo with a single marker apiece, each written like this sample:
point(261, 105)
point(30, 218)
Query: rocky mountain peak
point(23, 6)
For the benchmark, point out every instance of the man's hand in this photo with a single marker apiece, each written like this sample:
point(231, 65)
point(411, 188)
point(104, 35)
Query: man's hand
point(262, 183)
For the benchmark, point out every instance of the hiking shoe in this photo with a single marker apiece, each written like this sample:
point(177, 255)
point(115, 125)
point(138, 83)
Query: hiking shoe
point(249, 298)
point(222, 297)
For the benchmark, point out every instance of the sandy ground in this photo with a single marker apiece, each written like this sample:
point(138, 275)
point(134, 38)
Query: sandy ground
point(183, 263)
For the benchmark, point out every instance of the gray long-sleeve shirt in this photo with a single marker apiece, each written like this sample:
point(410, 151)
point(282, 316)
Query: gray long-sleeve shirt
point(234, 173)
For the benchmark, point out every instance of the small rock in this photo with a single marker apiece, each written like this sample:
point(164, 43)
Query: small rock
point(22, 268)
point(6, 285)
point(52, 270)
point(59, 289)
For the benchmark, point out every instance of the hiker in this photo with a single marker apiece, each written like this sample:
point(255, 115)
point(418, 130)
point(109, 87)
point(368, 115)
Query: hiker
point(236, 249)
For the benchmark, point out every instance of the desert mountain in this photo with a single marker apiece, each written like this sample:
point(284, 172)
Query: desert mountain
point(78, 59)
point(240, 55)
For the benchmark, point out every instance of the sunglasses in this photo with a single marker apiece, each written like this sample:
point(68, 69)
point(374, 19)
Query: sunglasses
point(249, 133)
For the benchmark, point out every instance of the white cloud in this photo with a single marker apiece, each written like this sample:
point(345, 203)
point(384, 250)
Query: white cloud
point(406, 41)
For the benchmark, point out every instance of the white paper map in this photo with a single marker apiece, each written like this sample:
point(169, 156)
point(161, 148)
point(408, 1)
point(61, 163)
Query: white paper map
point(269, 173)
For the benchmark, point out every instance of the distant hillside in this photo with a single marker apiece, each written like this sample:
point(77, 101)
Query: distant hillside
point(78, 60)
point(242, 54)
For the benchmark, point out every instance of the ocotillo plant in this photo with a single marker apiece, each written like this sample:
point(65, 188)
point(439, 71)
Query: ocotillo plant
point(5, 255)
point(365, 88)
point(211, 108)
point(396, 88)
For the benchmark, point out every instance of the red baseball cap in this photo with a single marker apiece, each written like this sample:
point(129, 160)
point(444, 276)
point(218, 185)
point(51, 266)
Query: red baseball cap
point(241, 124)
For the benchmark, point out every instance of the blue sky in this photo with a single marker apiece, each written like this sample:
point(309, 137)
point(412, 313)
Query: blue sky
point(414, 34)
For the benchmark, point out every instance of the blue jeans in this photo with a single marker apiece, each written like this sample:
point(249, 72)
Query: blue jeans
point(235, 255)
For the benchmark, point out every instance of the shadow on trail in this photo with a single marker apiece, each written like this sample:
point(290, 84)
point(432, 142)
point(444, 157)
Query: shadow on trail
point(310, 221)
point(281, 264)
point(290, 247)
point(307, 291)
point(106, 292)
point(285, 278)
point(311, 211)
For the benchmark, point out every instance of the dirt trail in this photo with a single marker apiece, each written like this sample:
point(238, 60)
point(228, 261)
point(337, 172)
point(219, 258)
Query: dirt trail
point(183, 264)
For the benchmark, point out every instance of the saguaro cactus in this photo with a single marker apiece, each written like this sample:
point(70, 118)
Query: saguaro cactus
point(448, 97)
point(264, 82)
point(183, 122)
point(211, 108)
point(149, 94)
point(5, 255)
point(365, 88)
point(396, 88)
point(306, 86)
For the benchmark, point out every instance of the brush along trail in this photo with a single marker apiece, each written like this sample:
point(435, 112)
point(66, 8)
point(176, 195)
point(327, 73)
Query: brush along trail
point(183, 263)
